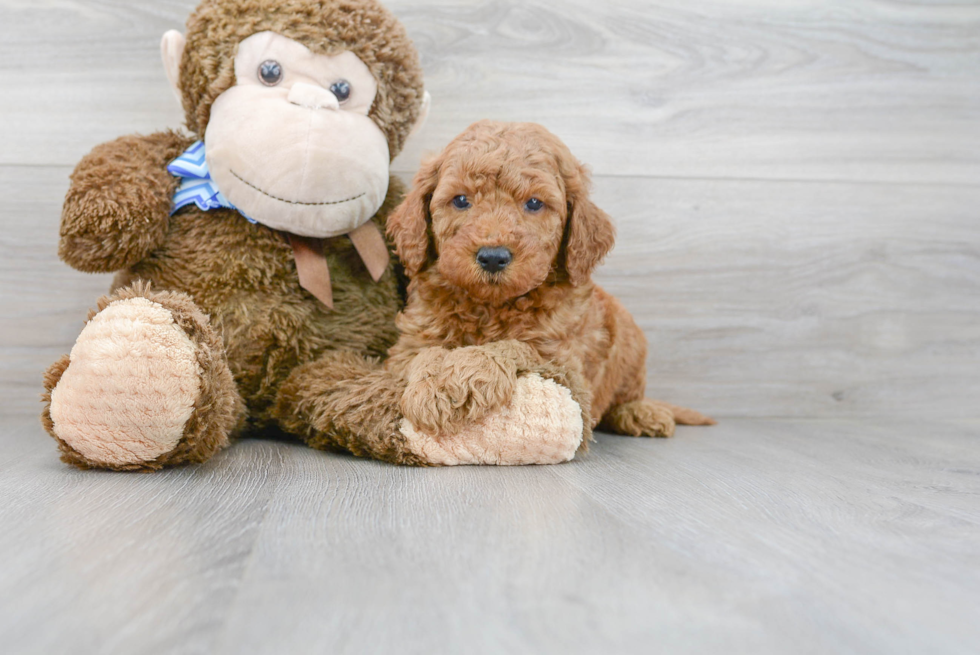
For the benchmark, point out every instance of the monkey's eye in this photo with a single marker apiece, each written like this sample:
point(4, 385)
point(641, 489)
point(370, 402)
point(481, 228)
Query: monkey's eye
point(341, 89)
point(533, 205)
point(460, 202)
point(270, 73)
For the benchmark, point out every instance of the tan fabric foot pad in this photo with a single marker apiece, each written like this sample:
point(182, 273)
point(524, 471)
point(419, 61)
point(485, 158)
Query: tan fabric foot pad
point(542, 425)
point(130, 387)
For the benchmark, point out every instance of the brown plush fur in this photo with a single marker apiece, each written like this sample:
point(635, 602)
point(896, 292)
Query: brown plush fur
point(244, 277)
point(241, 274)
point(544, 299)
point(263, 324)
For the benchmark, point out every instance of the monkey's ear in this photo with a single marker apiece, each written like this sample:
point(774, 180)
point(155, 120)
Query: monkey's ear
point(172, 49)
point(423, 114)
point(408, 225)
point(590, 234)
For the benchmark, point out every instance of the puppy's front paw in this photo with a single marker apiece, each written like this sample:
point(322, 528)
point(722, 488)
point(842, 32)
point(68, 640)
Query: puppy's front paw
point(541, 424)
point(426, 404)
point(477, 381)
point(449, 388)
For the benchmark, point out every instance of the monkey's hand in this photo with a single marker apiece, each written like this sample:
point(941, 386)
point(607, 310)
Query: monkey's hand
point(118, 206)
point(449, 388)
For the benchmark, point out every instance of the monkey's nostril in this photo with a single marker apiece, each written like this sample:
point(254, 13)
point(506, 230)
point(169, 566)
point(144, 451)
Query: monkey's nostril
point(494, 260)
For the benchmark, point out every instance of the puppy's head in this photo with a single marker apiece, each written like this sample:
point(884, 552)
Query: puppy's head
point(504, 207)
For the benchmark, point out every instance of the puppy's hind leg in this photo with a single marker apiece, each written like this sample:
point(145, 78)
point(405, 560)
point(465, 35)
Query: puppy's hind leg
point(687, 416)
point(639, 418)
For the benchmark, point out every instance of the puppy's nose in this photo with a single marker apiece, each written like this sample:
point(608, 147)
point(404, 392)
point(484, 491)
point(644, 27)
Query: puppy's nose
point(494, 260)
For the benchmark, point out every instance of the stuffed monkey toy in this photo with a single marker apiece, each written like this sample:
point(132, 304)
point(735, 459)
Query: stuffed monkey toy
point(254, 288)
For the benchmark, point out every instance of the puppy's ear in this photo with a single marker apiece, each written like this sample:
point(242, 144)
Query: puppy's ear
point(590, 234)
point(408, 225)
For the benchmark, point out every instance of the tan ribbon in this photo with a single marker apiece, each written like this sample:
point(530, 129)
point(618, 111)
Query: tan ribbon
point(372, 248)
point(311, 263)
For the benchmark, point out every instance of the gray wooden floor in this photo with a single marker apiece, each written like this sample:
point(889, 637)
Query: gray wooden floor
point(797, 190)
point(763, 536)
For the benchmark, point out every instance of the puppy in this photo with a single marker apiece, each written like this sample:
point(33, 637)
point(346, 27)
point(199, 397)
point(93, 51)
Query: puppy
point(499, 240)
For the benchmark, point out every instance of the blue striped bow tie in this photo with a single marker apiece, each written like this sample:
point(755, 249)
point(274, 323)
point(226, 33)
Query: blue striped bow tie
point(196, 186)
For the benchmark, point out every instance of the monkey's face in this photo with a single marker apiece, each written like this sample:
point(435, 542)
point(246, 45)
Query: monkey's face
point(291, 144)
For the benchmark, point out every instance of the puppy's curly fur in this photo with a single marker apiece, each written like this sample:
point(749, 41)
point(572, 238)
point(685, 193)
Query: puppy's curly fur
point(543, 305)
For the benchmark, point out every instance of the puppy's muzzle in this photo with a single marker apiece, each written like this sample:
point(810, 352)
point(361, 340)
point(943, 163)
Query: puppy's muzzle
point(495, 259)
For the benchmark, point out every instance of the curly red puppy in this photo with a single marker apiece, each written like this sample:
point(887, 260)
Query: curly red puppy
point(499, 238)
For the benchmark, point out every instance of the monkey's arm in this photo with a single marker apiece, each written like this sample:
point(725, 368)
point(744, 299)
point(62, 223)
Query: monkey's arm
point(118, 206)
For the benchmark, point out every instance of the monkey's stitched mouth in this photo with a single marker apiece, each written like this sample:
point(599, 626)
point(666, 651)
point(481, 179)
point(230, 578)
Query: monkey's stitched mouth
point(295, 202)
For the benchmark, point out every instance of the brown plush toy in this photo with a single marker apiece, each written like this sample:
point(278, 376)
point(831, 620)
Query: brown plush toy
point(253, 283)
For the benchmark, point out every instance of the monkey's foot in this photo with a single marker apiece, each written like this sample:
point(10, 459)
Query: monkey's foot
point(541, 425)
point(639, 418)
point(145, 386)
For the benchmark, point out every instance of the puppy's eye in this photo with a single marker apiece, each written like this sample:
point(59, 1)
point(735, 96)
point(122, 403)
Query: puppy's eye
point(461, 202)
point(341, 89)
point(270, 72)
point(533, 205)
